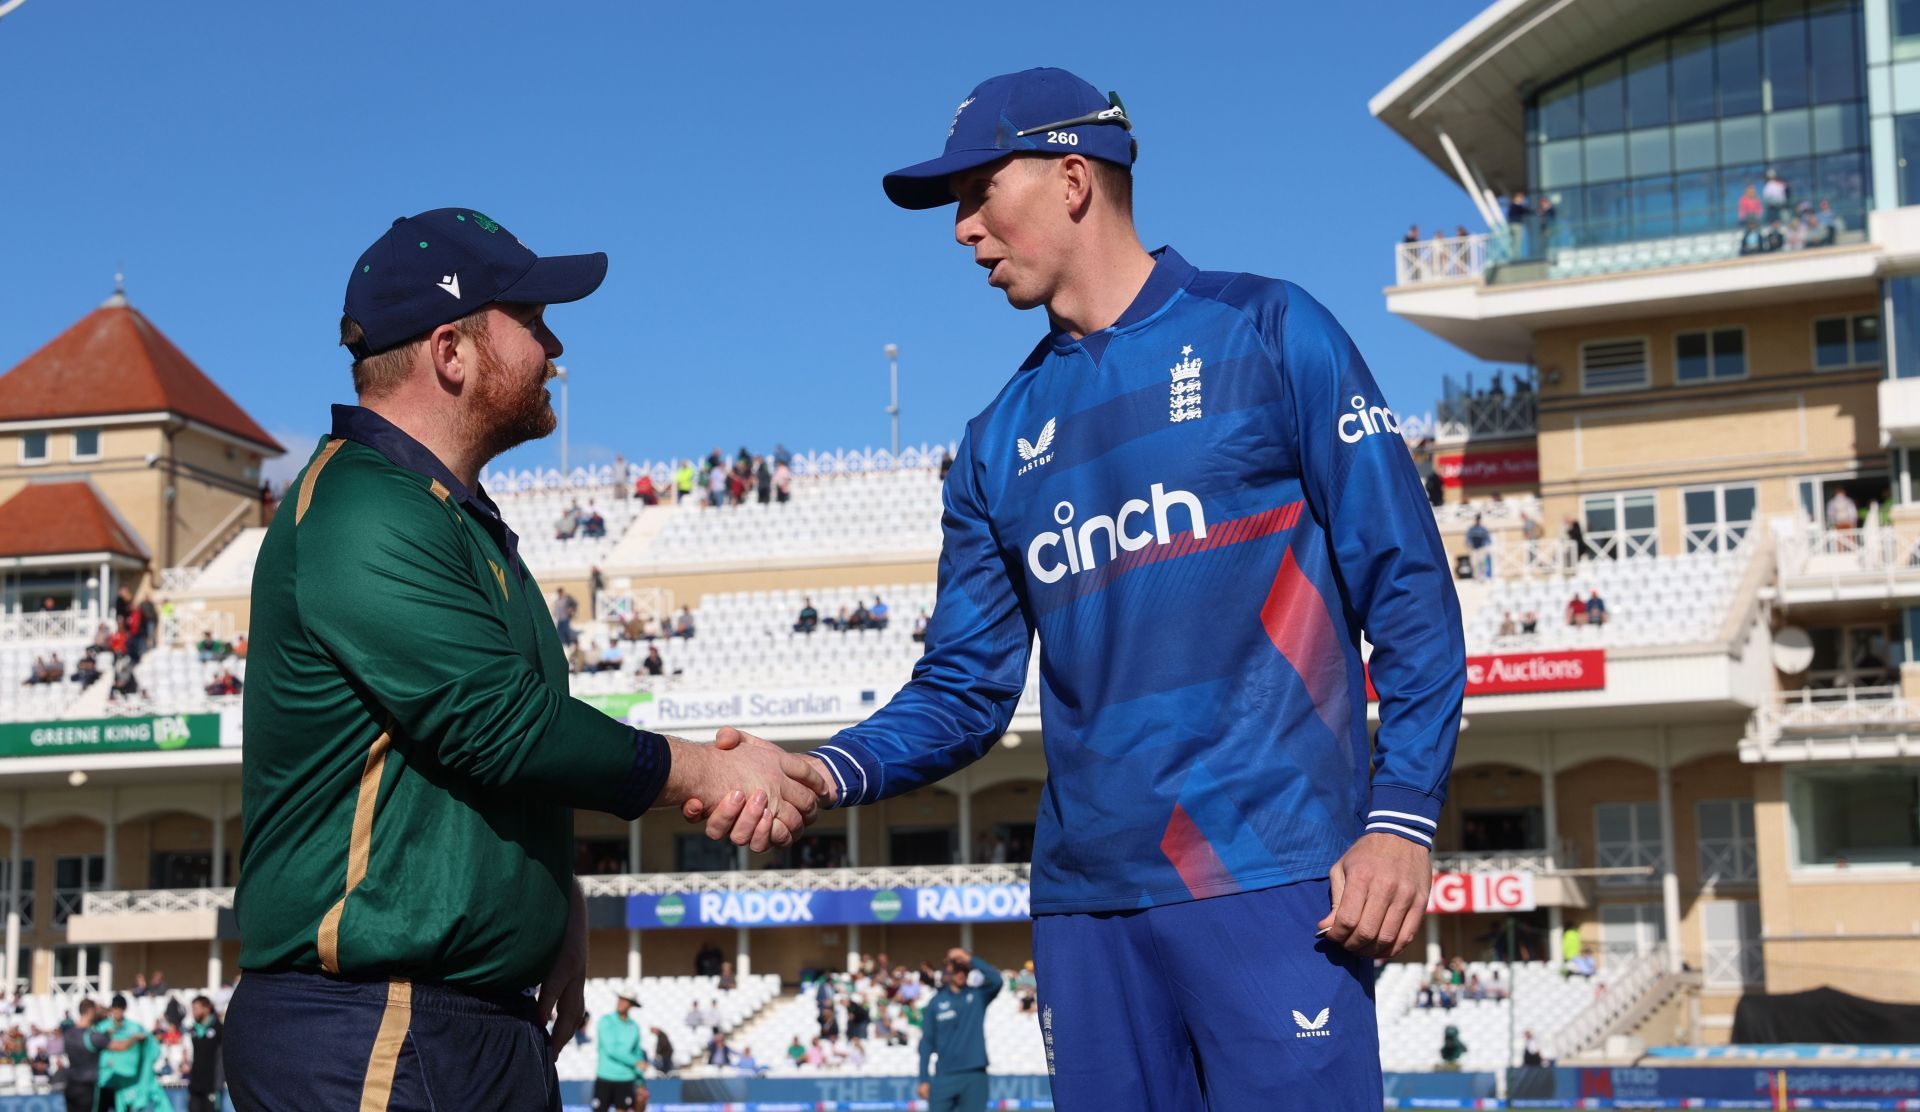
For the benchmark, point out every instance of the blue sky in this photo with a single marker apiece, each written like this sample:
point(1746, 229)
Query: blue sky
point(236, 158)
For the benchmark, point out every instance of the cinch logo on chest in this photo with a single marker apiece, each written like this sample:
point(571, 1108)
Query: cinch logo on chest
point(1079, 551)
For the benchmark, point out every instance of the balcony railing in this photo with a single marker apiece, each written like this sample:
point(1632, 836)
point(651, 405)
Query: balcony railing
point(156, 901)
point(1835, 723)
point(818, 880)
point(49, 625)
point(1506, 860)
point(1486, 416)
point(1851, 557)
point(1626, 983)
point(1439, 260)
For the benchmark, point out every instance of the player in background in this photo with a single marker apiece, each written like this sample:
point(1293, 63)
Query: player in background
point(1193, 492)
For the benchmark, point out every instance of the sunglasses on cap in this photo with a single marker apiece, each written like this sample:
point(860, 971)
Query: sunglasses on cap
point(1116, 113)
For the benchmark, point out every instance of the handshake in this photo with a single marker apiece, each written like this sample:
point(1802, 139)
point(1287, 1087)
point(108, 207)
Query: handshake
point(746, 789)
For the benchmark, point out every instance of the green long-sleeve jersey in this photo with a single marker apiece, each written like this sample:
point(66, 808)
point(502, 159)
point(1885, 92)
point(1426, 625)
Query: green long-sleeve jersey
point(411, 753)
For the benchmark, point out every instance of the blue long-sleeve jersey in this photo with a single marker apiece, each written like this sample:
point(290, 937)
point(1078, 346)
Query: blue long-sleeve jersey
point(1198, 510)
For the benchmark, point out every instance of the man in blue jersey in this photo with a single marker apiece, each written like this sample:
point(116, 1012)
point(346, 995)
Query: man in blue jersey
point(1193, 492)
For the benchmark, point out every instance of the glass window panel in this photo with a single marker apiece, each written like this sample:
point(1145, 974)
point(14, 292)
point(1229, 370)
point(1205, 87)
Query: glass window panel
point(1600, 515)
point(1690, 357)
point(1647, 86)
point(1606, 157)
point(1692, 70)
point(1694, 196)
point(33, 445)
point(1560, 111)
point(1842, 182)
point(86, 442)
point(1638, 511)
point(1700, 507)
point(1907, 140)
point(1836, 127)
point(1603, 98)
point(1607, 213)
point(1787, 135)
point(1798, 174)
point(1650, 151)
point(1835, 56)
point(1906, 19)
point(1729, 353)
point(1741, 140)
point(1866, 339)
point(1652, 207)
point(1613, 822)
point(1737, 58)
point(1741, 502)
point(1786, 53)
point(1904, 293)
point(1559, 163)
point(1715, 818)
point(1696, 146)
point(1830, 343)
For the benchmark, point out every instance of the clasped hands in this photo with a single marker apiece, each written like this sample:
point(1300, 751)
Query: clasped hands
point(746, 789)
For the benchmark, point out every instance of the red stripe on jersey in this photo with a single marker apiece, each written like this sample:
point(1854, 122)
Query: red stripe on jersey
point(1296, 619)
point(1194, 858)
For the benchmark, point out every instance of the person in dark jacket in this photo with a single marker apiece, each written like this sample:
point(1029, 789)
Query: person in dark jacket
point(82, 1043)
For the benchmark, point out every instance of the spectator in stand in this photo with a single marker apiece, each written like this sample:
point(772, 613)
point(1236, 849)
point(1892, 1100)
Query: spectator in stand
point(226, 683)
point(1451, 1051)
point(621, 473)
point(829, 1023)
point(1507, 628)
point(739, 477)
point(717, 1052)
point(697, 1017)
point(1829, 223)
point(1026, 987)
point(809, 617)
point(747, 1063)
point(862, 617)
point(1530, 1054)
point(86, 672)
point(592, 524)
point(1576, 541)
point(1842, 512)
point(610, 658)
point(920, 626)
point(877, 617)
point(1596, 609)
point(782, 482)
point(946, 464)
point(859, 1019)
point(728, 982)
point(1413, 234)
point(796, 1052)
point(1577, 610)
point(568, 523)
point(1530, 622)
point(716, 486)
point(708, 961)
point(125, 686)
point(643, 489)
point(762, 481)
point(1776, 195)
point(662, 1050)
point(839, 623)
point(238, 649)
point(1475, 990)
point(140, 988)
point(1480, 544)
point(653, 664)
point(208, 648)
point(683, 480)
point(683, 625)
point(1750, 208)
point(578, 660)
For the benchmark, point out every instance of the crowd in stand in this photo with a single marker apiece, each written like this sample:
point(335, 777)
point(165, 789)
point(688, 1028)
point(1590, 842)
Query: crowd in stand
point(1770, 221)
point(117, 647)
point(576, 522)
point(862, 617)
point(1450, 983)
point(761, 479)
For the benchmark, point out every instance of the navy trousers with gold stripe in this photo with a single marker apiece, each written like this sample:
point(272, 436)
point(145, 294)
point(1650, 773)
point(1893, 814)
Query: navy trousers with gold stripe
point(308, 1040)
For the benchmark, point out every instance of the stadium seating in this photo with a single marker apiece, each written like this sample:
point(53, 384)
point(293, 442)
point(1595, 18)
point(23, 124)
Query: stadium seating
point(893, 513)
point(231, 569)
point(1014, 1044)
point(664, 1003)
point(20, 702)
point(174, 681)
point(1410, 1037)
point(532, 515)
point(1660, 600)
point(1611, 258)
point(749, 635)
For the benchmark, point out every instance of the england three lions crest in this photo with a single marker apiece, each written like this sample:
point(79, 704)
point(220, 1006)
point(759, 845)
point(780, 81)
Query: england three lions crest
point(1183, 395)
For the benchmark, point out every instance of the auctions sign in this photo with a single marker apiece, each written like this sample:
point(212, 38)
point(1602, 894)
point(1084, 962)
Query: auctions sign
point(1531, 673)
point(110, 735)
point(970, 903)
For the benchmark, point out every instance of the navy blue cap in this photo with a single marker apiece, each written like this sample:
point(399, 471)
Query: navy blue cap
point(434, 268)
point(988, 125)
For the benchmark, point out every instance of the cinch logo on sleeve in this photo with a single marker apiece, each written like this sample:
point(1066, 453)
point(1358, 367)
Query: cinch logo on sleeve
point(1078, 550)
point(1365, 420)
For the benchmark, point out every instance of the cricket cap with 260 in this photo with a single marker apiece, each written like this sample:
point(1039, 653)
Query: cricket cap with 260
point(1045, 111)
point(434, 268)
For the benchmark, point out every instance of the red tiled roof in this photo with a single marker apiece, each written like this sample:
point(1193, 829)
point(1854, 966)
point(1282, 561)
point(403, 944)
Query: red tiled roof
point(115, 361)
point(60, 519)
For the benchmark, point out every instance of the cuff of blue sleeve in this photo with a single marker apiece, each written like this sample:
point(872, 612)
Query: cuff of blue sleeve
point(652, 761)
point(1404, 812)
point(856, 776)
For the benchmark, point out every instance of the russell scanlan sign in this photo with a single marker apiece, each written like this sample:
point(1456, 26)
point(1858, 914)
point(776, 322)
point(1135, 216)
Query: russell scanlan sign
point(969, 903)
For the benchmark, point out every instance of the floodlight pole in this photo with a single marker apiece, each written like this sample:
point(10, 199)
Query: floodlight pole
point(560, 373)
point(893, 384)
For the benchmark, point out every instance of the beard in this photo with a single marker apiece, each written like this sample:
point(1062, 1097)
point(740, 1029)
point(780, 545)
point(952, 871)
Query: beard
point(510, 407)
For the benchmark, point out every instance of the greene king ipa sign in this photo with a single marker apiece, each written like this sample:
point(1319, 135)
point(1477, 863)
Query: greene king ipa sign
point(110, 735)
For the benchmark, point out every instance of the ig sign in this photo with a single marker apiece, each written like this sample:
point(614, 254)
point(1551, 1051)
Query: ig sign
point(1469, 893)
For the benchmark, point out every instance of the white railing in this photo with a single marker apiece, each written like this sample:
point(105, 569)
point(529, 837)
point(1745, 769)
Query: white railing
point(1837, 723)
point(1872, 552)
point(925, 457)
point(156, 901)
point(1439, 260)
point(1626, 984)
point(1487, 416)
point(49, 625)
point(1624, 544)
point(186, 627)
point(1724, 536)
point(175, 581)
point(618, 606)
point(1460, 515)
point(1506, 860)
point(817, 880)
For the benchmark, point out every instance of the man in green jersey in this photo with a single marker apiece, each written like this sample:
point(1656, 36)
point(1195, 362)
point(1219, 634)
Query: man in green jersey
point(412, 757)
point(616, 1078)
